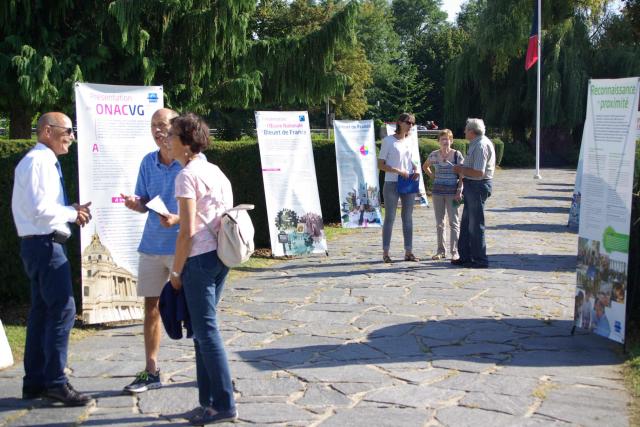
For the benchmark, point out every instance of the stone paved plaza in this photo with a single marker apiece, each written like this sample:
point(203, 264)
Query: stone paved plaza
point(347, 340)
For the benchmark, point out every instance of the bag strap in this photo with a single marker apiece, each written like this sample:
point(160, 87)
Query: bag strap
point(204, 221)
point(242, 207)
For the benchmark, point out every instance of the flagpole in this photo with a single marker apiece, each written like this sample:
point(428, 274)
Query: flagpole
point(539, 61)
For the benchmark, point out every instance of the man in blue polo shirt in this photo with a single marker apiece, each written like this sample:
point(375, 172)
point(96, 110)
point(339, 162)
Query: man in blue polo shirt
point(478, 171)
point(156, 177)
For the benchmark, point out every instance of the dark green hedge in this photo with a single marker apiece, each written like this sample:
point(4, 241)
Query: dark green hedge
point(240, 161)
point(428, 145)
point(13, 282)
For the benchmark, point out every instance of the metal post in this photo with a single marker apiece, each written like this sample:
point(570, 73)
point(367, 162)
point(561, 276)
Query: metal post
point(327, 120)
point(537, 175)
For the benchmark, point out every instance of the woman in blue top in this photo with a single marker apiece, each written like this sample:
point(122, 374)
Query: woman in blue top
point(446, 192)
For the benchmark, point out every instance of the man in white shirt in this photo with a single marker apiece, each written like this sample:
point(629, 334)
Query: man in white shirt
point(42, 216)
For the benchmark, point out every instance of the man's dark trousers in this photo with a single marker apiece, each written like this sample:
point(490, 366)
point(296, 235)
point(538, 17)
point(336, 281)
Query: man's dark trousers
point(52, 312)
point(471, 243)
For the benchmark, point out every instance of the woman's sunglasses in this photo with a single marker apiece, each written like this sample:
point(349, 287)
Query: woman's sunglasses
point(410, 123)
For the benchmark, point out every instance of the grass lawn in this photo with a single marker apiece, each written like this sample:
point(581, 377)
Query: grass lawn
point(16, 334)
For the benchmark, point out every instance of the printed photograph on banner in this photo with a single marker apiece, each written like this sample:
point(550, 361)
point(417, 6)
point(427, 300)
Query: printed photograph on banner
point(114, 134)
point(290, 186)
point(300, 233)
point(601, 289)
point(361, 208)
point(357, 168)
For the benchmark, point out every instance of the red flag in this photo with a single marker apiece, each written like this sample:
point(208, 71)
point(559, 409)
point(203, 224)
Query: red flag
point(532, 49)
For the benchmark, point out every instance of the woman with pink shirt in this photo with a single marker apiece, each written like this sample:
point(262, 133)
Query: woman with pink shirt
point(204, 194)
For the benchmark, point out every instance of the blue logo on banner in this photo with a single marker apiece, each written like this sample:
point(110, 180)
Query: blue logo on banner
point(301, 118)
point(617, 326)
point(152, 97)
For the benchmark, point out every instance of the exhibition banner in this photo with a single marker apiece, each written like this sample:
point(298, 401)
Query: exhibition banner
point(357, 168)
point(114, 134)
point(290, 185)
point(421, 197)
point(610, 135)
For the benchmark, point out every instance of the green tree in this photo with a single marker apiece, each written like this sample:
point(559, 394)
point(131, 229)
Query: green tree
point(415, 17)
point(45, 47)
point(381, 45)
point(433, 52)
point(345, 70)
point(200, 50)
point(488, 78)
point(414, 21)
point(617, 52)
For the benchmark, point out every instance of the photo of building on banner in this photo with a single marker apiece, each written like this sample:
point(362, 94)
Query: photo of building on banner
point(609, 141)
point(421, 197)
point(357, 168)
point(290, 185)
point(113, 137)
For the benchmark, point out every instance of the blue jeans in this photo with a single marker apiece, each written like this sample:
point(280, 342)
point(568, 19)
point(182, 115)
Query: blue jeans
point(52, 312)
point(471, 244)
point(203, 279)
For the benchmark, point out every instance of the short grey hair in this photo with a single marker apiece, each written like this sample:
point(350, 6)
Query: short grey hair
point(476, 126)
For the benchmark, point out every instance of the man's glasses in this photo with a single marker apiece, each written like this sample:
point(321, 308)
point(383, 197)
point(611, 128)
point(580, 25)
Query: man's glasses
point(68, 131)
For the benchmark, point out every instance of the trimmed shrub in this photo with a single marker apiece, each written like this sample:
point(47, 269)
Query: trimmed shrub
point(240, 161)
point(14, 285)
point(517, 155)
point(498, 145)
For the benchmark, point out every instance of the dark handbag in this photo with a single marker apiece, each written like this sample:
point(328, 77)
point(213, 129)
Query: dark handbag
point(407, 185)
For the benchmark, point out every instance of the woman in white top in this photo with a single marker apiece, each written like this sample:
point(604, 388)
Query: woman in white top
point(204, 194)
point(395, 159)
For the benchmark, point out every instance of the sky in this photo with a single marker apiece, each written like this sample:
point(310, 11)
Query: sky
point(452, 7)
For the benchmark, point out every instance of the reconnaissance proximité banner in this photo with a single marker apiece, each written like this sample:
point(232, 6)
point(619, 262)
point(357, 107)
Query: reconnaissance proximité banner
point(609, 141)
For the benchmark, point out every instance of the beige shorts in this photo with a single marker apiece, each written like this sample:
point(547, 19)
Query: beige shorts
point(153, 273)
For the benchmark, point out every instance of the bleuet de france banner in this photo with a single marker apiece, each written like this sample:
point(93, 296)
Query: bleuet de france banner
point(421, 197)
point(610, 137)
point(114, 134)
point(290, 186)
point(357, 168)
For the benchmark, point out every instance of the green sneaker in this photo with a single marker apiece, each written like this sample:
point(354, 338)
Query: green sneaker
point(144, 381)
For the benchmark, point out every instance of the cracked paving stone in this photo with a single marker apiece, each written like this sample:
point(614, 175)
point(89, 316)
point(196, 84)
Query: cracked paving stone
point(512, 405)
point(169, 399)
point(589, 406)
point(317, 396)
point(458, 416)
point(379, 417)
point(273, 387)
point(416, 396)
point(271, 413)
point(304, 335)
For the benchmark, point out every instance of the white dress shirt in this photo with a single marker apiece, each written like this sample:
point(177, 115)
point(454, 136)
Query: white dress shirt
point(38, 198)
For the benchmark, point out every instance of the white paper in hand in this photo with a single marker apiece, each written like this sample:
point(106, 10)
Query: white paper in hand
point(157, 205)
